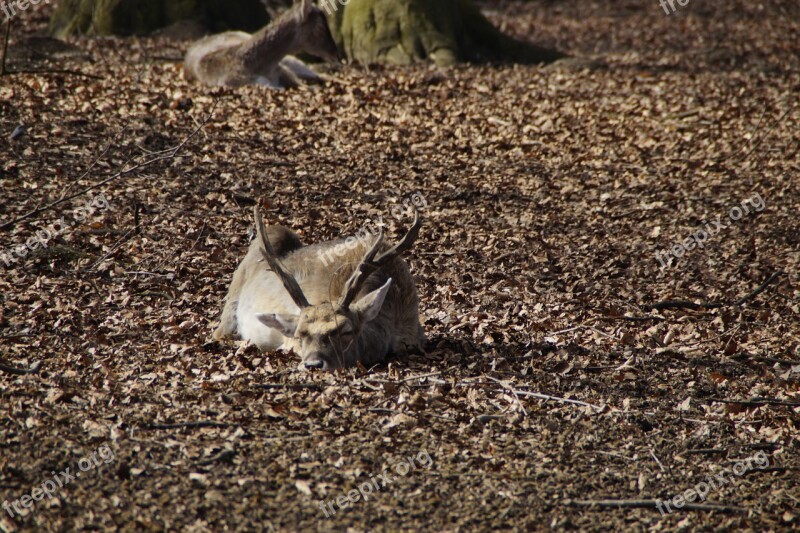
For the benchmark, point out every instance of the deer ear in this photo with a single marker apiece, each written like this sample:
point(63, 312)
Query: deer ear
point(369, 305)
point(285, 324)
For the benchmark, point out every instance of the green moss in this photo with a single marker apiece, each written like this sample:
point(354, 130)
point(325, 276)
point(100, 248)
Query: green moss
point(140, 17)
point(406, 31)
point(368, 31)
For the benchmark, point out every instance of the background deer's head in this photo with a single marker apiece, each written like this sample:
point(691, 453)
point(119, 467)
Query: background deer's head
point(312, 33)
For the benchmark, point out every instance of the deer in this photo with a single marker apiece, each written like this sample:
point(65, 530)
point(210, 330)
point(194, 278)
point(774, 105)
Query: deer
point(357, 309)
point(236, 58)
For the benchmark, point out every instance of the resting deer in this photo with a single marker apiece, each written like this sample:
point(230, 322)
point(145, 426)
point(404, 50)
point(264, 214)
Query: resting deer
point(236, 58)
point(360, 307)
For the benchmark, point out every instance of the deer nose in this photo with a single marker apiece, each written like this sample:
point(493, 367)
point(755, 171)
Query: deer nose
point(314, 361)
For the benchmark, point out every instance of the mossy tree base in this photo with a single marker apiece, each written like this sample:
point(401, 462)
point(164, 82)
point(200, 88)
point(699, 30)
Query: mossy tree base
point(407, 31)
point(367, 31)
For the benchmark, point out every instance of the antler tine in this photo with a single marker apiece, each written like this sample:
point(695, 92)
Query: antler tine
point(405, 243)
point(360, 274)
point(291, 285)
point(369, 263)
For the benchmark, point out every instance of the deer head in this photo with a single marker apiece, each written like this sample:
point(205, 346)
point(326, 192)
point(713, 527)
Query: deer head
point(313, 34)
point(329, 335)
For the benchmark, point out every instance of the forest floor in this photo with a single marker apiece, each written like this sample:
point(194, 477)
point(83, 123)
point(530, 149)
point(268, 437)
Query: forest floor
point(563, 207)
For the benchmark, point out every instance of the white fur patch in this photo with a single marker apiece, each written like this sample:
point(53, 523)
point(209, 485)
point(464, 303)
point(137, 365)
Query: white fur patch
point(264, 293)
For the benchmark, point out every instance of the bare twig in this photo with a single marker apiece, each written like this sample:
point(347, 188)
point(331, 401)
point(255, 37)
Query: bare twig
point(776, 360)
point(631, 318)
point(685, 304)
point(654, 504)
point(19, 371)
point(506, 385)
point(312, 386)
point(763, 136)
point(420, 376)
point(709, 451)
point(653, 455)
point(562, 400)
point(171, 154)
point(756, 402)
point(189, 425)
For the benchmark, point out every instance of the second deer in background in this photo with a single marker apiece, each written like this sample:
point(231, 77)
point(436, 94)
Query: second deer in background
point(237, 58)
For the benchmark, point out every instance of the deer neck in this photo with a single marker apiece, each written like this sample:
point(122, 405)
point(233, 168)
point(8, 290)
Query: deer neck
point(269, 45)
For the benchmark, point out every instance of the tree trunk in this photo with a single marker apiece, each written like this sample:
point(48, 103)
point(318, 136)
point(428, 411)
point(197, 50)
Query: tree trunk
point(367, 31)
point(406, 31)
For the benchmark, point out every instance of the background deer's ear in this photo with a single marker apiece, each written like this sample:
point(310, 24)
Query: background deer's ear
point(285, 324)
point(370, 304)
point(305, 7)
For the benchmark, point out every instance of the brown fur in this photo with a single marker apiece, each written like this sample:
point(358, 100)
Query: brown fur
point(236, 58)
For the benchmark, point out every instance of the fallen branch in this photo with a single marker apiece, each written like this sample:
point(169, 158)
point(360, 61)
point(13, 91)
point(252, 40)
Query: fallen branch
point(171, 153)
point(756, 402)
point(506, 385)
point(556, 398)
point(685, 304)
point(313, 386)
point(19, 371)
point(656, 504)
point(707, 450)
point(630, 318)
point(189, 425)
point(776, 360)
point(420, 376)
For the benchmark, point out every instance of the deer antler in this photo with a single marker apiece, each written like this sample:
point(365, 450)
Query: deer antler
point(291, 285)
point(370, 263)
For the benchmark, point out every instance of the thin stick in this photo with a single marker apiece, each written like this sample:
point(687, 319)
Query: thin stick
point(656, 504)
point(685, 304)
point(173, 153)
point(412, 378)
point(312, 386)
point(513, 391)
point(776, 360)
point(189, 425)
point(653, 454)
point(756, 402)
point(556, 398)
point(19, 371)
point(707, 450)
point(764, 135)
